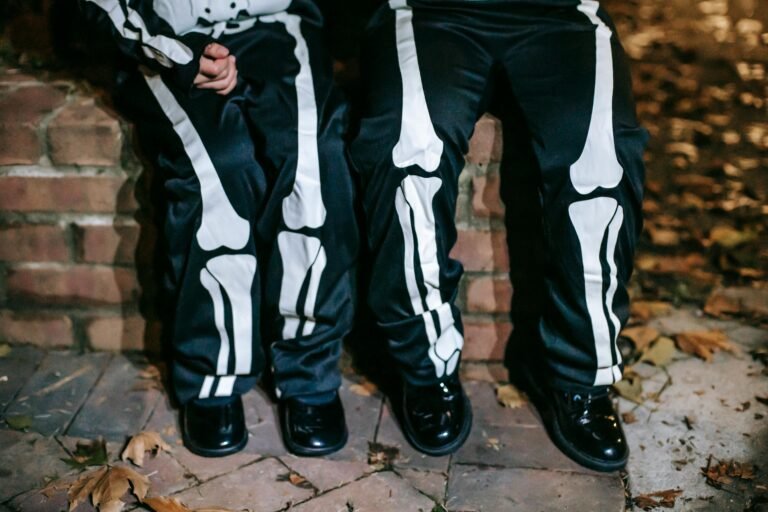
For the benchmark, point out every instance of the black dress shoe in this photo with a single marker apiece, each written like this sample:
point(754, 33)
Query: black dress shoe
point(214, 427)
point(584, 425)
point(312, 430)
point(436, 419)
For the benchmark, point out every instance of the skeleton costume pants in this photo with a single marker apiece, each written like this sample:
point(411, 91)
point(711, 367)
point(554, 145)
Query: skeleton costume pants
point(260, 227)
point(428, 70)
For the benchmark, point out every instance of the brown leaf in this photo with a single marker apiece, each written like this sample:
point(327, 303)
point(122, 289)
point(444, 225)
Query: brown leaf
point(364, 388)
point(143, 442)
point(641, 336)
point(669, 264)
point(704, 343)
point(116, 482)
point(83, 486)
point(722, 473)
point(644, 310)
point(738, 300)
point(630, 387)
point(657, 499)
point(381, 454)
point(509, 396)
point(167, 504)
point(728, 237)
point(660, 353)
point(628, 417)
point(663, 237)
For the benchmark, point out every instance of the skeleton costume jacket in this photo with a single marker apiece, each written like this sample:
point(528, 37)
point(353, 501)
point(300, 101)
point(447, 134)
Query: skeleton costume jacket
point(259, 226)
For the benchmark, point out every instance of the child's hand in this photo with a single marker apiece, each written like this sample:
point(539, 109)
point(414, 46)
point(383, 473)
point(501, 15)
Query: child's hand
point(217, 70)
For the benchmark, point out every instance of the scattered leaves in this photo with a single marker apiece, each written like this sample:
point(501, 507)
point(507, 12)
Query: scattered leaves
point(106, 486)
point(641, 336)
point(166, 504)
point(628, 418)
point(19, 422)
point(364, 388)
point(89, 453)
point(295, 479)
point(729, 237)
point(738, 301)
point(382, 455)
point(630, 387)
point(665, 499)
point(719, 473)
point(644, 310)
point(509, 396)
point(660, 353)
point(704, 343)
point(143, 442)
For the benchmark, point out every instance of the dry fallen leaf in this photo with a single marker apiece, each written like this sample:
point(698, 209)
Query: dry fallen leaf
point(509, 396)
point(89, 453)
point(382, 455)
point(364, 388)
point(166, 504)
point(106, 485)
point(660, 353)
point(628, 417)
point(295, 479)
point(641, 336)
point(704, 343)
point(630, 387)
point(728, 237)
point(644, 310)
point(737, 300)
point(722, 473)
point(143, 442)
point(653, 500)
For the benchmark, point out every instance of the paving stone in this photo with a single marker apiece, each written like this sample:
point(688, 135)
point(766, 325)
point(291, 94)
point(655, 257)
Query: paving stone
point(487, 372)
point(666, 454)
point(115, 410)
point(114, 448)
point(164, 420)
point(57, 389)
point(28, 461)
point(16, 368)
point(489, 489)
point(379, 492)
point(430, 483)
point(362, 415)
point(327, 474)
point(254, 487)
point(508, 437)
point(265, 430)
point(389, 434)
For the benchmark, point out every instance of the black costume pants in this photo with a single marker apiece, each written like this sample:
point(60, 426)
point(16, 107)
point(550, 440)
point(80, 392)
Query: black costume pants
point(260, 228)
point(428, 67)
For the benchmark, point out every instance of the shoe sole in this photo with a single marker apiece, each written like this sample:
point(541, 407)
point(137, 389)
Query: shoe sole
point(213, 453)
point(451, 447)
point(549, 417)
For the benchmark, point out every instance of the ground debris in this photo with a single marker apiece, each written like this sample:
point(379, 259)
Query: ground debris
point(663, 499)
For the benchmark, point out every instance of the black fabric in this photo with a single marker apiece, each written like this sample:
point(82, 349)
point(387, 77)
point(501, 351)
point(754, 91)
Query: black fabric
point(251, 137)
point(547, 56)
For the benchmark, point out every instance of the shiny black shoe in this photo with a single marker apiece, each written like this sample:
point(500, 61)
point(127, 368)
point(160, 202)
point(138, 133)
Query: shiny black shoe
point(214, 427)
point(436, 419)
point(312, 430)
point(584, 425)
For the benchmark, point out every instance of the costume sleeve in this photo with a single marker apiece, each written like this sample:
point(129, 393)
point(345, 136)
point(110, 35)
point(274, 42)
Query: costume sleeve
point(146, 38)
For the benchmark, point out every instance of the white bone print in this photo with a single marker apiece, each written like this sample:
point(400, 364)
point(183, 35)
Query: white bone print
point(303, 257)
point(303, 207)
point(220, 225)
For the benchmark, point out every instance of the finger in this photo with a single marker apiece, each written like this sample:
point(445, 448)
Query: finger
point(216, 51)
point(213, 68)
point(219, 84)
point(231, 87)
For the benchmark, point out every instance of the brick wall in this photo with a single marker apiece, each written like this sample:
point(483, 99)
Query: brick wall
point(76, 248)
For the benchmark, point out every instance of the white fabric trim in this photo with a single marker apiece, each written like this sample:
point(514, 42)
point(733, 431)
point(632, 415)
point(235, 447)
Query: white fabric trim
point(302, 256)
point(205, 390)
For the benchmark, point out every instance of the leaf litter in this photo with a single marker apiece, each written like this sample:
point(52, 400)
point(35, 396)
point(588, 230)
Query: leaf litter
point(142, 442)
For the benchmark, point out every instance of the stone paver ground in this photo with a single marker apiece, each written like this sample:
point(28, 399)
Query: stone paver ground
point(507, 464)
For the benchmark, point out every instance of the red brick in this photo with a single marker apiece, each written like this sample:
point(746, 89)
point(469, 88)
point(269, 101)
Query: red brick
point(33, 243)
point(485, 146)
point(120, 333)
point(19, 144)
point(20, 113)
point(107, 244)
point(486, 294)
point(73, 285)
point(486, 200)
point(81, 194)
point(84, 134)
point(481, 250)
point(39, 329)
point(485, 341)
